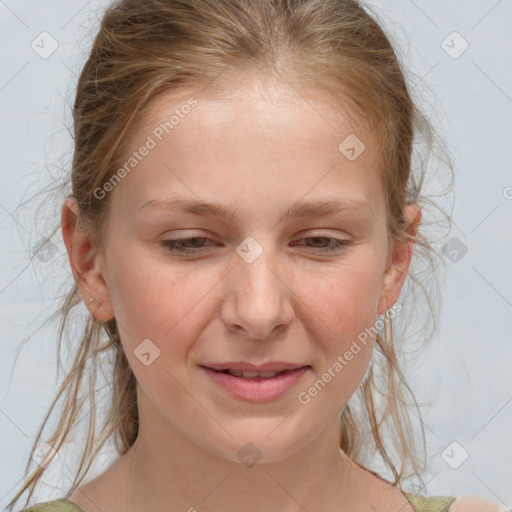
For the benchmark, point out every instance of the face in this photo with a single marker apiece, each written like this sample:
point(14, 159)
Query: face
point(194, 287)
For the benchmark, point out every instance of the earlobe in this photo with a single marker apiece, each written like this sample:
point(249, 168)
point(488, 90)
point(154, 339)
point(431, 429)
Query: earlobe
point(397, 270)
point(86, 264)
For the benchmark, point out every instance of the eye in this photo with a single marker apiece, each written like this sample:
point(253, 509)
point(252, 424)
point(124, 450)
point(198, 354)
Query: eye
point(192, 245)
point(184, 245)
point(334, 244)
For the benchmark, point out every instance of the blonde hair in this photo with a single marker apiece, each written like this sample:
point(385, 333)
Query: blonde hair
point(336, 47)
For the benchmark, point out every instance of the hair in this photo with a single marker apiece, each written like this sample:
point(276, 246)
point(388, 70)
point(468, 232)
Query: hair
point(333, 47)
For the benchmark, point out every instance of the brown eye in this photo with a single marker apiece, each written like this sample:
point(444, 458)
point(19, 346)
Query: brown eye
point(185, 245)
point(333, 245)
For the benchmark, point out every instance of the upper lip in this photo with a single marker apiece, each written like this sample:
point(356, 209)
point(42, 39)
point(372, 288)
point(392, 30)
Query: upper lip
point(248, 367)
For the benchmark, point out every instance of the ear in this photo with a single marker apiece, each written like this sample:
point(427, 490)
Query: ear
point(87, 265)
point(399, 261)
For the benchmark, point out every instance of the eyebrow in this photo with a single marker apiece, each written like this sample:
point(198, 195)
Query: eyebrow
point(300, 208)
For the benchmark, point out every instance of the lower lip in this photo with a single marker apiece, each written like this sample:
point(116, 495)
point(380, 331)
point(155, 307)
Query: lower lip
point(257, 389)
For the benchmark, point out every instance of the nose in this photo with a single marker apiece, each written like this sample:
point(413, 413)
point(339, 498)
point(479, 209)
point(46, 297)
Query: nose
point(259, 297)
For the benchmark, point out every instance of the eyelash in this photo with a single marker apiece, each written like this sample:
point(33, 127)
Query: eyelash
point(337, 246)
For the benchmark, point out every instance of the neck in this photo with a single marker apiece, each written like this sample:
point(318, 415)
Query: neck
point(165, 470)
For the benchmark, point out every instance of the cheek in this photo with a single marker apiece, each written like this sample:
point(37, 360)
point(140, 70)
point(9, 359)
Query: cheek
point(344, 307)
point(157, 313)
point(149, 298)
point(345, 300)
point(159, 301)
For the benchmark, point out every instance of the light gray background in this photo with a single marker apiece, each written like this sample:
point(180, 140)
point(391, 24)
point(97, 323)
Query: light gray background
point(466, 377)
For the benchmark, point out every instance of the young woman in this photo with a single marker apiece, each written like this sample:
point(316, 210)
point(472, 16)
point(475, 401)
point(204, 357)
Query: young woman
point(242, 220)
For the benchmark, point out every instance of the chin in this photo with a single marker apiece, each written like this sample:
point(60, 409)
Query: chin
point(258, 444)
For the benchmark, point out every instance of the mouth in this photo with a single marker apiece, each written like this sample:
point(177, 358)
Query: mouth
point(256, 375)
point(256, 386)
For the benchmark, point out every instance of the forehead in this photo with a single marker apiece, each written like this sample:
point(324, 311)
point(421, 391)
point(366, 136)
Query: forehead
point(265, 135)
point(272, 98)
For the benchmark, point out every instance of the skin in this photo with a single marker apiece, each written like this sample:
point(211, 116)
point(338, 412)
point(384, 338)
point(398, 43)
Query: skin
point(257, 150)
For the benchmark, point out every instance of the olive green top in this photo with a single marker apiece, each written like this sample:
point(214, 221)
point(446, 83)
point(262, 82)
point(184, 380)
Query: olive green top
point(432, 504)
point(61, 505)
point(419, 503)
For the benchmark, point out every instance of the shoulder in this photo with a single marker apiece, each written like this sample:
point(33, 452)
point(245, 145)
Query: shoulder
point(471, 504)
point(61, 505)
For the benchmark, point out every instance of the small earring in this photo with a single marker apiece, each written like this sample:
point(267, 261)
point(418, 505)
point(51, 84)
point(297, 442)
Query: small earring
point(97, 305)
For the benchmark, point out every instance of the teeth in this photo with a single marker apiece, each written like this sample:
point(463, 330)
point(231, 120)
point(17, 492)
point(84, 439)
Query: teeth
point(250, 375)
